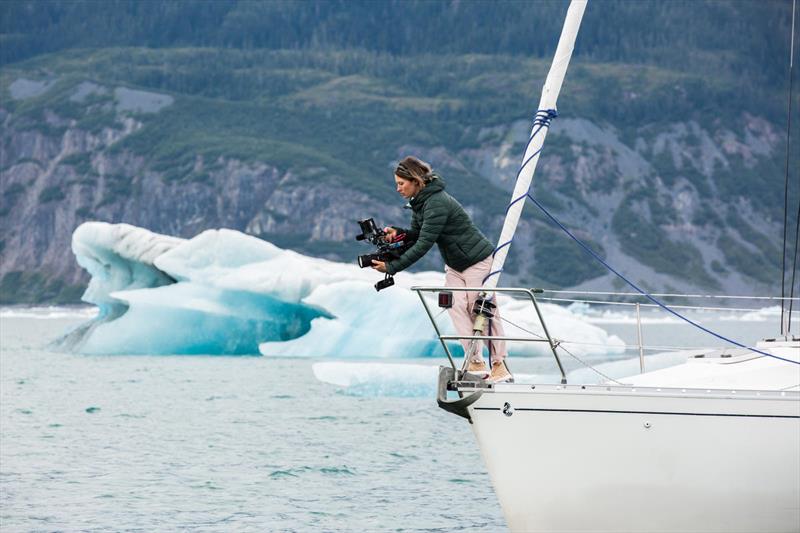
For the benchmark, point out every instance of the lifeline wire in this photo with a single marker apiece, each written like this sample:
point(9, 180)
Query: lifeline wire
point(670, 294)
point(590, 367)
point(651, 348)
point(794, 268)
point(645, 294)
point(559, 345)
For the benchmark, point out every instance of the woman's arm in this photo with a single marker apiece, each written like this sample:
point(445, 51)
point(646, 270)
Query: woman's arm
point(412, 233)
point(434, 219)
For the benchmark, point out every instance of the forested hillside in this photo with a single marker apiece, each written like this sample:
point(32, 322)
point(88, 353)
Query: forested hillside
point(283, 119)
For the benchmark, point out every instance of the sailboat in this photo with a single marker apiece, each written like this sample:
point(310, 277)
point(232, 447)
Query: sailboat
point(712, 444)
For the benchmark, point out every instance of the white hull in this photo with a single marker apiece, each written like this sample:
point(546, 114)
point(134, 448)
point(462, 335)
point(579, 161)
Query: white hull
point(571, 458)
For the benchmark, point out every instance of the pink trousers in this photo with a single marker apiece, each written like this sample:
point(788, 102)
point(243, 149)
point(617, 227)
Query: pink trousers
point(461, 312)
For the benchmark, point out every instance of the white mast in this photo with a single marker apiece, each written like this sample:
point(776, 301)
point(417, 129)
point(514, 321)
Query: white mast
point(552, 86)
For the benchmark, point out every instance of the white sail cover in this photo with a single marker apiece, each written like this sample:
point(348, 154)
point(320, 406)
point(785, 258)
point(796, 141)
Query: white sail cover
point(547, 103)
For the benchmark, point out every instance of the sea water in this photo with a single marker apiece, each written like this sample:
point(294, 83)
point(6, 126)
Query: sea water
point(168, 443)
point(214, 443)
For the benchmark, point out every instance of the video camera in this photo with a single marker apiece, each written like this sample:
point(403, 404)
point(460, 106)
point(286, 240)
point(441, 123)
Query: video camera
point(387, 249)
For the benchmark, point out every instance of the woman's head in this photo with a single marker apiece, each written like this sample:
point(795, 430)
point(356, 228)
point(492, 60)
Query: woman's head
point(411, 176)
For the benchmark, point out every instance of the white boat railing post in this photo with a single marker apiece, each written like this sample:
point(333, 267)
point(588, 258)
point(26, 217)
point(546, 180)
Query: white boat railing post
point(553, 344)
point(438, 332)
point(639, 335)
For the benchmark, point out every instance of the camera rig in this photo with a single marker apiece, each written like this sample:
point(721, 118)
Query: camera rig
point(387, 248)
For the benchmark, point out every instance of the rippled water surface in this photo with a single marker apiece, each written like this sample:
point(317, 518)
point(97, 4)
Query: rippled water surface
point(155, 443)
point(221, 443)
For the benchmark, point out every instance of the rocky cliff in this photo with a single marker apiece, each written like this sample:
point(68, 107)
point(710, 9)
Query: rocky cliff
point(669, 204)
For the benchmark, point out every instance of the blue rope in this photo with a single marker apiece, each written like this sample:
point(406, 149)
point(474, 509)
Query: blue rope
point(541, 118)
point(645, 294)
point(544, 116)
point(498, 248)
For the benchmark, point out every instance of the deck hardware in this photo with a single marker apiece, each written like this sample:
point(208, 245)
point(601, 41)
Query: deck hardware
point(647, 425)
point(507, 409)
point(446, 299)
point(459, 406)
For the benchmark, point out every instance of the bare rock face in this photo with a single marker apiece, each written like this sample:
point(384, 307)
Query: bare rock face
point(53, 183)
point(45, 200)
point(664, 183)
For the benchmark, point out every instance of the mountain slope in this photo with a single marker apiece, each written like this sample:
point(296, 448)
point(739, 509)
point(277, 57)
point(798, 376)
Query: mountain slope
point(675, 175)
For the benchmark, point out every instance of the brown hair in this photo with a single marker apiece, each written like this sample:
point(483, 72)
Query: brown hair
point(414, 169)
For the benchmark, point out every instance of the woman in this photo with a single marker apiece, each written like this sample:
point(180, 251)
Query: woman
point(438, 218)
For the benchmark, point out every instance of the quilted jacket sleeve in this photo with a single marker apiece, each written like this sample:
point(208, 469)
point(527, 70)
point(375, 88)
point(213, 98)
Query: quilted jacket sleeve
point(434, 218)
point(413, 232)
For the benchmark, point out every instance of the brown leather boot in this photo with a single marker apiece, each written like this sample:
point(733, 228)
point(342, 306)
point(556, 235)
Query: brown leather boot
point(500, 373)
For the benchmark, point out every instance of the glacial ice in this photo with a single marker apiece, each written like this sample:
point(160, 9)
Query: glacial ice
point(368, 379)
point(224, 292)
point(371, 379)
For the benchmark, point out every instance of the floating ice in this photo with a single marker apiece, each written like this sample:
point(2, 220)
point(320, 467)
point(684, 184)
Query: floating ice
point(224, 292)
point(119, 257)
point(49, 312)
point(379, 379)
point(415, 380)
point(765, 314)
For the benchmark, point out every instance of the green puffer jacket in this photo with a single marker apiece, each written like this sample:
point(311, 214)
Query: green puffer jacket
point(439, 218)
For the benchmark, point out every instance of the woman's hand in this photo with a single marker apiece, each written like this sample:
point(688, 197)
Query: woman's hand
point(380, 266)
point(391, 234)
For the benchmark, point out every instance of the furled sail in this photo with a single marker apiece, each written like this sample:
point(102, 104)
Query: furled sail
point(545, 112)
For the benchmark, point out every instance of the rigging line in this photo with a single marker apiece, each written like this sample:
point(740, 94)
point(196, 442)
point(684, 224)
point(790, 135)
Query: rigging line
point(720, 296)
point(606, 345)
point(696, 307)
point(520, 327)
point(794, 269)
point(784, 328)
point(440, 314)
point(650, 348)
point(542, 118)
point(590, 367)
point(645, 294)
point(559, 345)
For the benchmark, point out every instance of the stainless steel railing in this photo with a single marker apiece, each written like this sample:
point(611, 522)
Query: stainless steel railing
point(514, 290)
point(555, 343)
